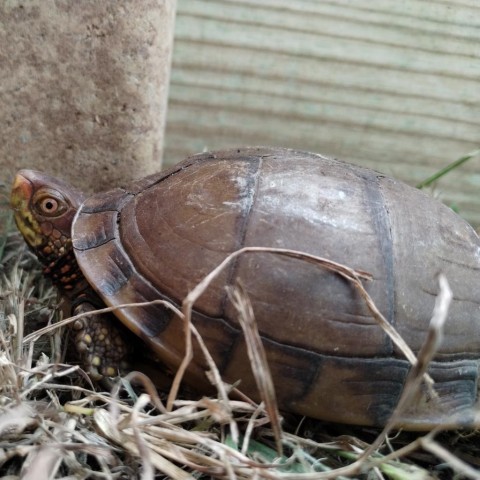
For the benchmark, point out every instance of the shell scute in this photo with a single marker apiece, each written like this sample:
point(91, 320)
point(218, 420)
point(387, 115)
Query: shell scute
point(93, 230)
point(109, 269)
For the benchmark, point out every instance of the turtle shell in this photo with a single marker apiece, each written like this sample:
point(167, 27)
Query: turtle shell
point(158, 237)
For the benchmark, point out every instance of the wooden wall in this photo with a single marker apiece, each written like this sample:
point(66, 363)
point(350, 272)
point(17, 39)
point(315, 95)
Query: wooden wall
point(390, 84)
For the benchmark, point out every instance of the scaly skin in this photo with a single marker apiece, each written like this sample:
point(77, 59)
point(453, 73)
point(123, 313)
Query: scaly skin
point(44, 209)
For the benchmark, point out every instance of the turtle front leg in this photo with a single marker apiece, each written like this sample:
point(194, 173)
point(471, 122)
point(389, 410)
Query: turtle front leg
point(101, 347)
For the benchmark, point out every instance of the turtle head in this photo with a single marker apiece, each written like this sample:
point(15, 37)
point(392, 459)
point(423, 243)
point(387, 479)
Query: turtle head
point(44, 208)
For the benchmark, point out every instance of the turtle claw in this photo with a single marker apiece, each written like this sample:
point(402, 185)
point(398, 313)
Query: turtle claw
point(101, 348)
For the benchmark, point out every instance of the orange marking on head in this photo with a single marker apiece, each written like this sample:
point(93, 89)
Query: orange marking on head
point(47, 228)
point(65, 269)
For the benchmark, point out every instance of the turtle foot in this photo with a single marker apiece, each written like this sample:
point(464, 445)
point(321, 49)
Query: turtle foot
point(100, 344)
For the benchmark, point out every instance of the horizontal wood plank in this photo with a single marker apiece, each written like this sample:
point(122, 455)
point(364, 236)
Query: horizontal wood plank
point(390, 85)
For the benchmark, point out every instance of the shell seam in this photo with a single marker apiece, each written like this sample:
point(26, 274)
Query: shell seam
point(243, 231)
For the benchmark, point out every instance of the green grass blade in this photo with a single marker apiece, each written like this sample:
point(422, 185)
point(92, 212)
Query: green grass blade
point(448, 168)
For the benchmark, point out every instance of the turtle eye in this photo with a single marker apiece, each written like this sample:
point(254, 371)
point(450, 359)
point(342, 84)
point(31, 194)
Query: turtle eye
point(50, 205)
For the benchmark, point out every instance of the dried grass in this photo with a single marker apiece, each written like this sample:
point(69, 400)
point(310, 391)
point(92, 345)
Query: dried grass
point(54, 424)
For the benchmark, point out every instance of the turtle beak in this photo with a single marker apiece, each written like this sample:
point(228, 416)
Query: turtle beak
point(22, 191)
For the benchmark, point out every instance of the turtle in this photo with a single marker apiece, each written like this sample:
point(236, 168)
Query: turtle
point(158, 237)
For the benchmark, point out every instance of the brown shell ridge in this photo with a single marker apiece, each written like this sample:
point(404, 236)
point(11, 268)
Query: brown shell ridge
point(383, 227)
point(134, 188)
point(152, 180)
point(253, 187)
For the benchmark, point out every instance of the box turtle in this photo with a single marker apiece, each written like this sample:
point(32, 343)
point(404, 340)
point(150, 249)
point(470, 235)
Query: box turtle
point(156, 238)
